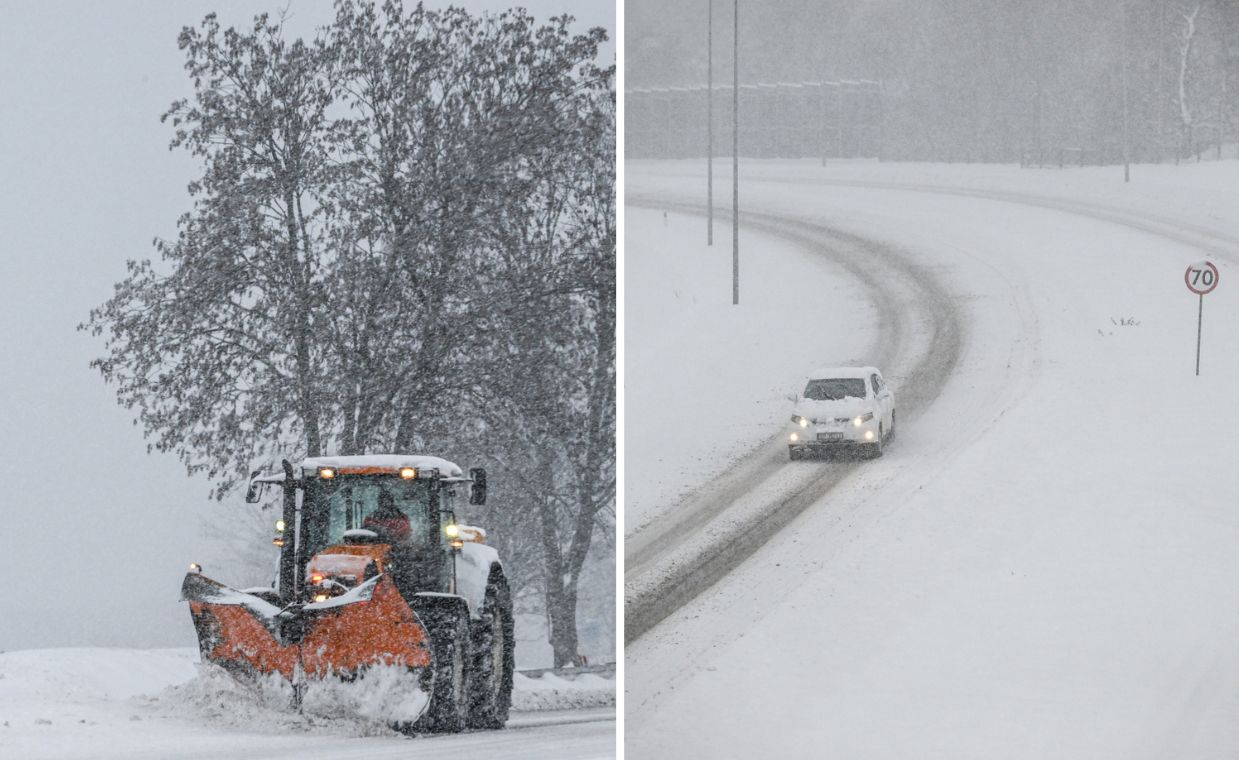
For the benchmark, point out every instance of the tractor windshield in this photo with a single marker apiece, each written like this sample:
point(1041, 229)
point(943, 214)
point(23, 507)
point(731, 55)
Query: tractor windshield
point(398, 510)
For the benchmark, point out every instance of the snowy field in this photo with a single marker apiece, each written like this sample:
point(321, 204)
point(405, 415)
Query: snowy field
point(1044, 564)
point(129, 703)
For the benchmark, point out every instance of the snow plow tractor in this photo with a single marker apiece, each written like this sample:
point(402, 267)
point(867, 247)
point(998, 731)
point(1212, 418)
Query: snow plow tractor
point(380, 588)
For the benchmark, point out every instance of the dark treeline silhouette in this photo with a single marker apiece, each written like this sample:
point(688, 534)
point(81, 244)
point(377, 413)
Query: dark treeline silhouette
point(977, 80)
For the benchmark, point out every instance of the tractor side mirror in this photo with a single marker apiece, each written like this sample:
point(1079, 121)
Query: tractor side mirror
point(477, 489)
point(253, 494)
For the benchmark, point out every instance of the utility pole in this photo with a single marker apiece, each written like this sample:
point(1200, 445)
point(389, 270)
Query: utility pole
point(710, 123)
point(1126, 127)
point(735, 156)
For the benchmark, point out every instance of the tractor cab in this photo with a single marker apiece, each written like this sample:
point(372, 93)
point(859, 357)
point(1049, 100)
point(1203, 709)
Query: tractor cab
point(397, 511)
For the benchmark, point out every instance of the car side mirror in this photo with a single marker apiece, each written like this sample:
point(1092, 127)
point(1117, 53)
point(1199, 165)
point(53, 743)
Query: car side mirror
point(253, 494)
point(477, 489)
point(793, 397)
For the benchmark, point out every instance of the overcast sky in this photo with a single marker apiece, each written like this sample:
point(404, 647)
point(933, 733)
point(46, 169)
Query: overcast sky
point(96, 534)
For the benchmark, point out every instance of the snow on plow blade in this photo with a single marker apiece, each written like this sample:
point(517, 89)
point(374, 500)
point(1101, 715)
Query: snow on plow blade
point(370, 627)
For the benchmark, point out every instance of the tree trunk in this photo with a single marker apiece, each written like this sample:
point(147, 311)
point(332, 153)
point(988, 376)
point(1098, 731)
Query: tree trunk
point(299, 275)
point(561, 605)
point(560, 591)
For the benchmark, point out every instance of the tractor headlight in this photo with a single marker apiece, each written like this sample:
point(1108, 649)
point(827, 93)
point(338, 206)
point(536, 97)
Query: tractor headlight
point(862, 419)
point(452, 531)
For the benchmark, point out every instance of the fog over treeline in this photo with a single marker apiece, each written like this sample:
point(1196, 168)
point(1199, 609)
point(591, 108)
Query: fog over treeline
point(959, 80)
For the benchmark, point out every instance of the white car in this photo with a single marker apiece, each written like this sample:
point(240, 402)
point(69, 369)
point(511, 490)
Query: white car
point(842, 407)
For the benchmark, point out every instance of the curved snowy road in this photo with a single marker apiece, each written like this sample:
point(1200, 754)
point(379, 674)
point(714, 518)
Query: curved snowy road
point(704, 536)
point(1044, 564)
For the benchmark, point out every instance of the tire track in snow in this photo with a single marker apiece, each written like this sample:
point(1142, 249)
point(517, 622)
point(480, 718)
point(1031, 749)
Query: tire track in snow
point(675, 558)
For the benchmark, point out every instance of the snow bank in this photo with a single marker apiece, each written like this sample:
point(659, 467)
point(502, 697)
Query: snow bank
point(552, 692)
point(83, 675)
point(89, 703)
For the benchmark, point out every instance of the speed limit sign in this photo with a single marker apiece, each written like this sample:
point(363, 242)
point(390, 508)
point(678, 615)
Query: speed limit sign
point(1201, 277)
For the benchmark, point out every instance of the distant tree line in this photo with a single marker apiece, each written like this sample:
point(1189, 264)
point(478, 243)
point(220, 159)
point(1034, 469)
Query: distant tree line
point(402, 240)
point(981, 80)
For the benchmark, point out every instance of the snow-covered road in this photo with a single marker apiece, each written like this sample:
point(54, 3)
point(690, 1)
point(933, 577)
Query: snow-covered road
point(145, 704)
point(1045, 562)
point(917, 339)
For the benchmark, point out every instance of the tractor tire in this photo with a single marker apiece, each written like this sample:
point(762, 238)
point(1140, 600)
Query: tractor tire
point(449, 696)
point(494, 642)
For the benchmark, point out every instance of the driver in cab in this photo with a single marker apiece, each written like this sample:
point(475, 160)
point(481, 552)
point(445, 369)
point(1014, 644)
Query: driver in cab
point(388, 521)
point(394, 529)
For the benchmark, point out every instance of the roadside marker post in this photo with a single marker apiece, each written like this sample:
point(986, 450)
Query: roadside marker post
point(1201, 279)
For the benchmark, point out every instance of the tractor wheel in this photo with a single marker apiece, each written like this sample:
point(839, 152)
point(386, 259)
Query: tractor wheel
point(449, 696)
point(490, 679)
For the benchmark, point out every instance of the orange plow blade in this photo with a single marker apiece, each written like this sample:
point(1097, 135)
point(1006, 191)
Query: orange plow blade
point(342, 637)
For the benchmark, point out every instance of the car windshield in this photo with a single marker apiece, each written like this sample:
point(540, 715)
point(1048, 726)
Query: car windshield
point(397, 509)
point(835, 389)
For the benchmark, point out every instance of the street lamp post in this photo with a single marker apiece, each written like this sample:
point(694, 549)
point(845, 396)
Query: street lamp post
point(710, 123)
point(1126, 127)
point(735, 156)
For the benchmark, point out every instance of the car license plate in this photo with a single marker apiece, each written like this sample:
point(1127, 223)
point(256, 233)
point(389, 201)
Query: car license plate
point(830, 436)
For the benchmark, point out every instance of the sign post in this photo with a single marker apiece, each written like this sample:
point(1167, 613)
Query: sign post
point(1201, 279)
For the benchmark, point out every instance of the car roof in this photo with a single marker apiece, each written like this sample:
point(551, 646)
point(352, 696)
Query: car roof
point(841, 373)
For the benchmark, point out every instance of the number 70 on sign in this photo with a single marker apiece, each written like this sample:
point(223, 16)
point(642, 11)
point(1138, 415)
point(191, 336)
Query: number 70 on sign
point(1201, 278)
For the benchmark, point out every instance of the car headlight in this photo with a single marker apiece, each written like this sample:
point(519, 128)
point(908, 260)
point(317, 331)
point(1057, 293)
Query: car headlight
point(801, 421)
point(795, 437)
point(862, 419)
